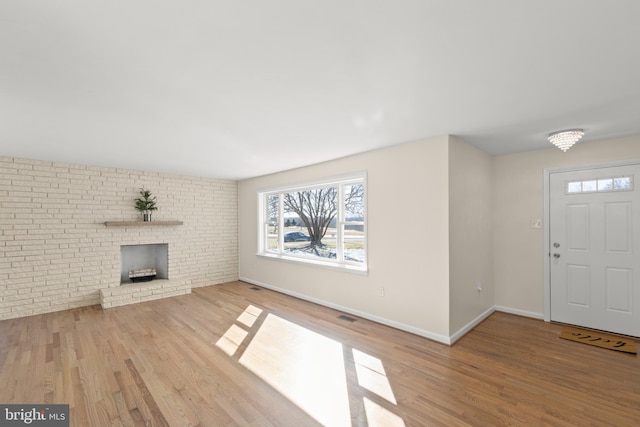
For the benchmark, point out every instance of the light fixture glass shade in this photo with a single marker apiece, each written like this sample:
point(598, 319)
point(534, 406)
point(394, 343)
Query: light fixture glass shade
point(564, 139)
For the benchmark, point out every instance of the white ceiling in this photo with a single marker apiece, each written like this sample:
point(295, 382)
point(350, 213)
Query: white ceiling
point(234, 89)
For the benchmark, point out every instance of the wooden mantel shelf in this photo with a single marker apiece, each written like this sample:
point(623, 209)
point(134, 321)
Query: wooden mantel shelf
point(141, 223)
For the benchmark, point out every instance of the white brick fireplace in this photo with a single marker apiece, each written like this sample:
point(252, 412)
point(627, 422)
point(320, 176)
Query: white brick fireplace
point(56, 252)
point(137, 257)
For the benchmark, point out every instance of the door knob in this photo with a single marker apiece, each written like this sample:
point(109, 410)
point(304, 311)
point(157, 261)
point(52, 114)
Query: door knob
point(556, 255)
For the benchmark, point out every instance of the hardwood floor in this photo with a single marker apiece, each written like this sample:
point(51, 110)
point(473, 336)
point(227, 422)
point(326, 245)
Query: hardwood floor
point(229, 355)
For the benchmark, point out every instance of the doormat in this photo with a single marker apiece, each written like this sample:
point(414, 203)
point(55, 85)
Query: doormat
point(599, 339)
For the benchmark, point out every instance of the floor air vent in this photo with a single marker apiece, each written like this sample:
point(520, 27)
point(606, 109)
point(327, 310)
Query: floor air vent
point(347, 318)
point(255, 288)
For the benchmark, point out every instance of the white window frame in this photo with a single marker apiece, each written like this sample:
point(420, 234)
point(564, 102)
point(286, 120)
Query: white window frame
point(597, 180)
point(341, 222)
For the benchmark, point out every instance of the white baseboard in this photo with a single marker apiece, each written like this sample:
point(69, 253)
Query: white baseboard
point(518, 312)
point(398, 325)
point(468, 327)
point(455, 337)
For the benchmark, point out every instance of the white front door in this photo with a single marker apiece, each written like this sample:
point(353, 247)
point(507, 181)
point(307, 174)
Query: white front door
point(594, 236)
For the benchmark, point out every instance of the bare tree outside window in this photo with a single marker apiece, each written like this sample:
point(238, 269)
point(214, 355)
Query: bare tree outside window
point(315, 208)
point(272, 222)
point(273, 211)
point(318, 208)
point(354, 201)
point(327, 221)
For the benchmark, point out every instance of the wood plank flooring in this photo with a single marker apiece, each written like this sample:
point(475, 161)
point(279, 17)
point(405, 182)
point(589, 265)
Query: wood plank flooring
point(229, 355)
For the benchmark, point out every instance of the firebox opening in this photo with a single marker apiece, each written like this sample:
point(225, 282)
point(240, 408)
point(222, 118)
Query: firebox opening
point(143, 262)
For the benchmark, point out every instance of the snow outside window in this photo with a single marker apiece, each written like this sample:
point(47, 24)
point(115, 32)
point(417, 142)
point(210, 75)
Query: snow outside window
point(322, 223)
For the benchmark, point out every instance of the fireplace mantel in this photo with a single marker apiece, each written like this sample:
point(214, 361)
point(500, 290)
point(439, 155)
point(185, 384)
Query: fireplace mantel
point(141, 223)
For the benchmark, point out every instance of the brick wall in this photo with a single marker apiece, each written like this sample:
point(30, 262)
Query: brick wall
point(56, 253)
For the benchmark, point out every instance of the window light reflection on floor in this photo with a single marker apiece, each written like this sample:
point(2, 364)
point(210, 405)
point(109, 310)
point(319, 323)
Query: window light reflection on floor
point(371, 375)
point(378, 416)
point(304, 366)
point(249, 316)
point(310, 369)
point(232, 339)
point(235, 335)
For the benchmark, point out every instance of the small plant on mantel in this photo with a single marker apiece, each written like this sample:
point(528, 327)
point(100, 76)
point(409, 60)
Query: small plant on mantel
point(146, 203)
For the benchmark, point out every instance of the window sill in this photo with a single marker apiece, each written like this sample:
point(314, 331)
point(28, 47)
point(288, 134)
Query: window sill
point(348, 268)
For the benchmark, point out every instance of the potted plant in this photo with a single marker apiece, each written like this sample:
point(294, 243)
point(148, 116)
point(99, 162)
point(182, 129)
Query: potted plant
point(146, 203)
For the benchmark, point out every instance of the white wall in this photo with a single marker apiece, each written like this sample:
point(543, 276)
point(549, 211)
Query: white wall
point(518, 199)
point(56, 253)
point(470, 234)
point(427, 218)
point(407, 239)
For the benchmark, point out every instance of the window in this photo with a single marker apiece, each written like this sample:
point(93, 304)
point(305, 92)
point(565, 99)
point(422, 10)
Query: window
point(322, 223)
point(624, 183)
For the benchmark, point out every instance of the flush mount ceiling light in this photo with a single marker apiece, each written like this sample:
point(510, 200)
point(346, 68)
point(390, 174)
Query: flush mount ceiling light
point(564, 139)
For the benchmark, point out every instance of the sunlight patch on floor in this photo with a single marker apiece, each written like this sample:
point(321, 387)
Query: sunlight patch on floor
point(249, 316)
point(310, 369)
point(304, 366)
point(378, 416)
point(232, 339)
point(371, 375)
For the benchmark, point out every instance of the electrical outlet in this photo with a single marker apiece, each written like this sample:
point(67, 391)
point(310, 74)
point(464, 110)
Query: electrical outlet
point(479, 287)
point(381, 292)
